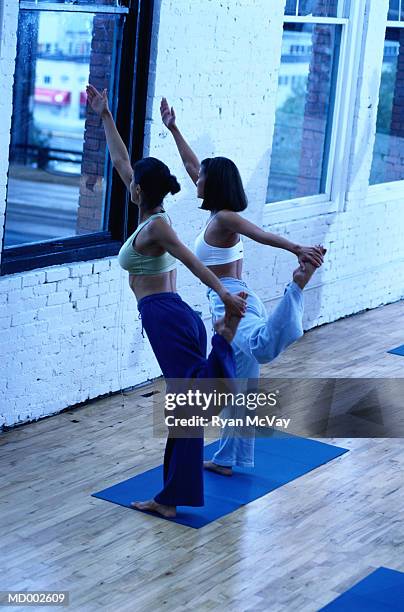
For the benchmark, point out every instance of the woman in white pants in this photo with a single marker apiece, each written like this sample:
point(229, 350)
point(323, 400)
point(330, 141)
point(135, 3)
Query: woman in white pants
point(259, 338)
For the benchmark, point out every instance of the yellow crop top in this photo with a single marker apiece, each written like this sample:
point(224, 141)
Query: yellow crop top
point(135, 263)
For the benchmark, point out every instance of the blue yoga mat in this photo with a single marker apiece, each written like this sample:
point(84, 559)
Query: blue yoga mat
point(398, 351)
point(279, 459)
point(381, 591)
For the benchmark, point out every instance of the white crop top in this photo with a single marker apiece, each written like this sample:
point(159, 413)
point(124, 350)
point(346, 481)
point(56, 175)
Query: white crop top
point(212, 255)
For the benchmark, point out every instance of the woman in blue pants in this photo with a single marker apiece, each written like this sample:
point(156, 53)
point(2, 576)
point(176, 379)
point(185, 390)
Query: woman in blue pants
point(176, 333)
point(178, 339)
point(259, 338)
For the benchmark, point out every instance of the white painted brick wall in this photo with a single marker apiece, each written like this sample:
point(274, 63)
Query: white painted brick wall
point(71, 332)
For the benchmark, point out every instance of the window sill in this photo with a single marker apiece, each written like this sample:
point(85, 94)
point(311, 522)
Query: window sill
point(385, 192)
point(79, 248)
point(298, 209)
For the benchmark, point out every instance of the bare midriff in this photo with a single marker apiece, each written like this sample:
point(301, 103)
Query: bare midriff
point(143, 285)
point(233, 269)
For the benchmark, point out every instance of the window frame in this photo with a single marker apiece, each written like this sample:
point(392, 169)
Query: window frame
point(333, 200)
point(390, 190)
point(130, 113)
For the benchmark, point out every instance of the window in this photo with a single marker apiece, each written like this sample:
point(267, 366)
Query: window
point(304, 144)
point(63, 202)
point(388, 150)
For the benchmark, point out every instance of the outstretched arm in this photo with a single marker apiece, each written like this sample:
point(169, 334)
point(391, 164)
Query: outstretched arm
point(119, 153)
point(163, 234)
point(190, 160)
point(236, 223)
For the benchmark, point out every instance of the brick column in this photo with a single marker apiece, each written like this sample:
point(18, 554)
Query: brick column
point(92, 182)
point(317, 103)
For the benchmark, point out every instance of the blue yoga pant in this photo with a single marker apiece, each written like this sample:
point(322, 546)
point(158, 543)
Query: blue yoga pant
point(259, 339)
point(179, 341)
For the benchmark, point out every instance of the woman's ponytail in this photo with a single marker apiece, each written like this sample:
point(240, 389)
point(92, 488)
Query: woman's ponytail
point(174, 186)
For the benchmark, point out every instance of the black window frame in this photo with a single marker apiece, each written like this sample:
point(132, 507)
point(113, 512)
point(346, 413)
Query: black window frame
point(130, 119)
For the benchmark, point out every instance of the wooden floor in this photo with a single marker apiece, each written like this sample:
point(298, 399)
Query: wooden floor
point(293, 550)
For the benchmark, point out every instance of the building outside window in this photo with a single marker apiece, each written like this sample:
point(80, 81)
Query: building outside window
point(388, 151)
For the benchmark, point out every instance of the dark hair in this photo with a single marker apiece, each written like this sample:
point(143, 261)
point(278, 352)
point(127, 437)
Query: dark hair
point(223, 186)
point(155, 180)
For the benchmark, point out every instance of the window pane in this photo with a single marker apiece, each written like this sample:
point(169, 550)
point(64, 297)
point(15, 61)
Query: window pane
point(57, 169)
point(290, 8)
point(304, 108)
point(394, 8)
point(318, 8)
point(388, 151)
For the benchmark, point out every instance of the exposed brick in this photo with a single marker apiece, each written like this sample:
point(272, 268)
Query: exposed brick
point(87, 303)
point(89, 280)
point(60, 297)
point(22, 318)
point(101, 265)
point(20, 295)
point(56, 274)
point(92, 144)
point(89, 167)
point(108, 299)
point(29, 280)
point(44, 289)
point(68, 284)
point(51, 313)
point(8, 284)
point(78, 294)
point(81, 269)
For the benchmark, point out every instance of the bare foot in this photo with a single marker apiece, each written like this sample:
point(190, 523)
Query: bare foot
point(153, 506)
point(227, 325)
point(218, 469)
point(301, 275)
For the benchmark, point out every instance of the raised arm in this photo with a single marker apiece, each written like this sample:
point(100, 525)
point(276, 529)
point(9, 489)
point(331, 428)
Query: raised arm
point(190, 160)
point(163, 234)
point(119, 153)
point(236, 223)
